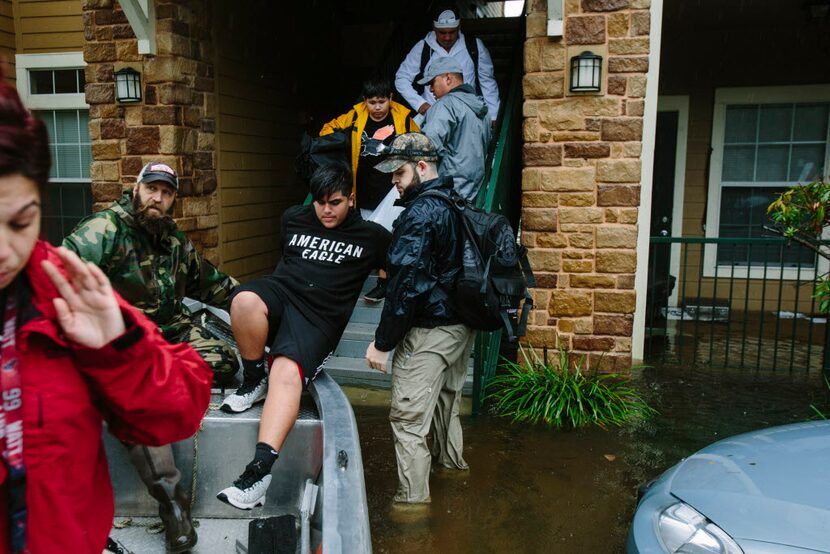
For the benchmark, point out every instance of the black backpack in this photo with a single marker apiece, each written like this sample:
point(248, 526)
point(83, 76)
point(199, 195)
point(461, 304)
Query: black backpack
point(426, 53)
point(334, 148)
point(495, 273)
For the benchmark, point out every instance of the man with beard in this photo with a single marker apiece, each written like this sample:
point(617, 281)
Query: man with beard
point(154, 266)
point(419, 322)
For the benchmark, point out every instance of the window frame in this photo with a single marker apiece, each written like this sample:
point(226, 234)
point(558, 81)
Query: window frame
point(725, 97)
point(53, 102)
point(61, 60)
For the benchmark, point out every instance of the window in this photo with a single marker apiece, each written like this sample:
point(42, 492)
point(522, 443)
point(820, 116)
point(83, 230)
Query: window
point(56, 81)
point(69, 196)
point(52, 85)
point(764, 140)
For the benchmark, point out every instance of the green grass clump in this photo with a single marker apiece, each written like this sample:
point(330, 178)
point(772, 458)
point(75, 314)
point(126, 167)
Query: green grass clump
point(561, 395)
point(817, 412)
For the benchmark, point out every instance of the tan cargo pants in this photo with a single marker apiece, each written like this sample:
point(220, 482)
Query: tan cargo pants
point(428, 372)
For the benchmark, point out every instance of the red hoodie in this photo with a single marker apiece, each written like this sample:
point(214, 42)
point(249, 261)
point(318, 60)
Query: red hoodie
point(149, 392)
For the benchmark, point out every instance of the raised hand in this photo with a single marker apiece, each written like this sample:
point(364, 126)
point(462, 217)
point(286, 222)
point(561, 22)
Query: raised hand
point(87, 309)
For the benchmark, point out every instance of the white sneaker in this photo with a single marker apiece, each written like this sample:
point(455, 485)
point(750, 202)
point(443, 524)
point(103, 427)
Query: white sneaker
point(245, 397)
point(249, 490)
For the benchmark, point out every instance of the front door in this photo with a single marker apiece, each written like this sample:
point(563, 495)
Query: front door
point(660, 281)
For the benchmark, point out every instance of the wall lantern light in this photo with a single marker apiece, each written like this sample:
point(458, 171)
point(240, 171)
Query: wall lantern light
point(586, 72)
point(127, 85)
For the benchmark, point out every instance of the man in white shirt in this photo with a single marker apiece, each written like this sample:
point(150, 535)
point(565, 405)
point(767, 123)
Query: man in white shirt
point(446, 39)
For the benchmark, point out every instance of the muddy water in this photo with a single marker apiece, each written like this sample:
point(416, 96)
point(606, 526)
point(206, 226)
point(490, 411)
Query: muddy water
point(531, 489)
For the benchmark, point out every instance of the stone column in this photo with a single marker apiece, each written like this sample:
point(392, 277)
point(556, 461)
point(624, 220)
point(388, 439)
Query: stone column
point(581, 177)
point(175, 121)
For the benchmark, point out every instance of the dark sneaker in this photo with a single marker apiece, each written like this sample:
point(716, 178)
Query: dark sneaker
point(249, 490)
point(225, 381)
point(378, 293)
point(245, 396)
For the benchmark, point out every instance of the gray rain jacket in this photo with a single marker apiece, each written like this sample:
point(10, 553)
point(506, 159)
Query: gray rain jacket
point(458, 125)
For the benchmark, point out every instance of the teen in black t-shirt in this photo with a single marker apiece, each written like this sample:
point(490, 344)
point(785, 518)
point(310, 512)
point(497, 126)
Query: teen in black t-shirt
point(300, 311)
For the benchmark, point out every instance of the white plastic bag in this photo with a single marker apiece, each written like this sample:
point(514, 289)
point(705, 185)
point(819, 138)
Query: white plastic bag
point(386, 212)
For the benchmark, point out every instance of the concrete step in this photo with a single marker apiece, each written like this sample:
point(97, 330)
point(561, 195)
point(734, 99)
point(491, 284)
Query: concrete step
point(366, 313)
point(352, 348)
point(359, 331)
point(354, 371)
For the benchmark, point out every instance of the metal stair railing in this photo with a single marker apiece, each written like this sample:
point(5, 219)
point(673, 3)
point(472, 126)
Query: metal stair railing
point(497, 196)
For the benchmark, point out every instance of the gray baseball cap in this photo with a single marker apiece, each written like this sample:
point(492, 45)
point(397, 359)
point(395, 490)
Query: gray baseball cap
point(408, 147)
point(439, 66)
point(156, 171)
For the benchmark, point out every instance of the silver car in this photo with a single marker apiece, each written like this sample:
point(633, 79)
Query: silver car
point(762, 492)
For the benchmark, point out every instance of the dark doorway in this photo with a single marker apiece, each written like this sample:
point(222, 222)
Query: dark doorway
point(660, 281)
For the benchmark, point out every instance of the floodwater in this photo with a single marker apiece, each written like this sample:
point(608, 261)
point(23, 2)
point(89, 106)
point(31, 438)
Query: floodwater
point(531, 489)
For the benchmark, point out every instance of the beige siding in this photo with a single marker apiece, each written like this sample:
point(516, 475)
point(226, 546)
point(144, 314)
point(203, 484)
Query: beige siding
point(777, 37)
point(258, 136)
point(7, 38)
point(49, 26)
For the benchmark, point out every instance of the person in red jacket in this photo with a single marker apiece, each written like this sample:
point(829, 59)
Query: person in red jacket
point(73, 354)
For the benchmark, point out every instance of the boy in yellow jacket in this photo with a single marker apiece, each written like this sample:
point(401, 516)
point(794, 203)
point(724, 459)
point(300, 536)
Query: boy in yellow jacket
point(373, 120)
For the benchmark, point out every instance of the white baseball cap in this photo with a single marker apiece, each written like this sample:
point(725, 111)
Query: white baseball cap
point(446, 20)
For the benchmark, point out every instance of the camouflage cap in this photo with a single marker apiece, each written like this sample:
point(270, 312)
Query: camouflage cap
point(408, 147)
point(156, 171)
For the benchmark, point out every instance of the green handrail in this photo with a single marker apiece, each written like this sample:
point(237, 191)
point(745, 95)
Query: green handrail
point(496, 197)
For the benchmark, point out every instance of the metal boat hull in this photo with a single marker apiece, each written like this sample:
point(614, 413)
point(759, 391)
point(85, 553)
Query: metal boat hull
point(323, 447)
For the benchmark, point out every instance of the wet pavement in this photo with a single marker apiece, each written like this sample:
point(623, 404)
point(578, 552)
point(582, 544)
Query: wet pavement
point(531, 489)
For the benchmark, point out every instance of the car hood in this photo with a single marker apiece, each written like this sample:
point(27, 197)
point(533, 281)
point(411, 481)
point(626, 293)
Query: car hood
point(771, 485)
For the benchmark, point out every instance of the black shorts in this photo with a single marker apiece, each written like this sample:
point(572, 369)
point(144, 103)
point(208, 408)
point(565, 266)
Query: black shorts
point(290, 334)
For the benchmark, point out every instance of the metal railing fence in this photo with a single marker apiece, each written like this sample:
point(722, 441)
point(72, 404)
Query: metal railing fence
point(734, 302)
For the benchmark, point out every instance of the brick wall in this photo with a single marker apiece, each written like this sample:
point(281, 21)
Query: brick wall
point(175, 121)
point(581, 177)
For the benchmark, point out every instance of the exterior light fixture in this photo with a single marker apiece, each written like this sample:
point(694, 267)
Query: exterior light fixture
point(586, 72)
point(127, 85)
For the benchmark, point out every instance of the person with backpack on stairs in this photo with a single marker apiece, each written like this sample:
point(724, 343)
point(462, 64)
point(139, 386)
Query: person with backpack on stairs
point(419, 320)
point(447, 40)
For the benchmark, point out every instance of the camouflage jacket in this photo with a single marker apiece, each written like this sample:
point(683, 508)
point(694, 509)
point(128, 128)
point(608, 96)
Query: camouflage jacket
point(153, 273)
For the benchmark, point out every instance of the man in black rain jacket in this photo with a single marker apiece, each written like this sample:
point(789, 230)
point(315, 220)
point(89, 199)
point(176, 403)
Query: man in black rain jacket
point(432, 346)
